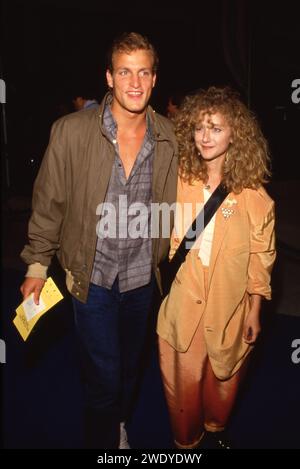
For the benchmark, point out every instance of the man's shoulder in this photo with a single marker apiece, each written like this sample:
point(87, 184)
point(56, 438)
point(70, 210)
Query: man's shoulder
point(77, 119)
point(163, 122)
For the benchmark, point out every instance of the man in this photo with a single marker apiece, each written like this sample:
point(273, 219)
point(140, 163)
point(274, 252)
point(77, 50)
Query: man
point(83, 102)
point(174, 102)
point(123, 151)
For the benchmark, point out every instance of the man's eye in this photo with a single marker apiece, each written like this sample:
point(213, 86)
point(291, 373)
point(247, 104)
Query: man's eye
point(198, 129)
point(123, 72)
point(216, 129)
point(145, 73)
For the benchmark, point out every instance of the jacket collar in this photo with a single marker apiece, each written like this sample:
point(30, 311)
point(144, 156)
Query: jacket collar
point(160, 133)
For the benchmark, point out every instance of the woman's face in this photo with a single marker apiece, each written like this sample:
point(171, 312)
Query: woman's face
point(213, 136)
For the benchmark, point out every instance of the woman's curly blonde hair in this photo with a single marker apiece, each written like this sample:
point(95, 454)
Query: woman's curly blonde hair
point(247, 159)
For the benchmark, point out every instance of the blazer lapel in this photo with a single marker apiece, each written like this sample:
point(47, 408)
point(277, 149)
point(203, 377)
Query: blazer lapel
point(221, 227)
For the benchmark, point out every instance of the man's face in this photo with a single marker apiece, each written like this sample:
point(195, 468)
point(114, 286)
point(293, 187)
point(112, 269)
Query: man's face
point(78, 103)
point(132, 80)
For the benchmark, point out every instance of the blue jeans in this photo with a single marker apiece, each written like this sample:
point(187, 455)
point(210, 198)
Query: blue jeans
point(111, 328)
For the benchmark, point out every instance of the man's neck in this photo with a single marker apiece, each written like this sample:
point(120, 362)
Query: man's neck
point(129, 121)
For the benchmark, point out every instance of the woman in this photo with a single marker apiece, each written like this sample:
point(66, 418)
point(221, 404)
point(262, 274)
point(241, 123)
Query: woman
point(209, 322)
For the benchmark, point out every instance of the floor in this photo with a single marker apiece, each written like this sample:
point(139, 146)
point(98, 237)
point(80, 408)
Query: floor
point(42, 389)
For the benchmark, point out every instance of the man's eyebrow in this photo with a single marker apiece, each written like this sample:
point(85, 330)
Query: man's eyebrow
point(139, 70)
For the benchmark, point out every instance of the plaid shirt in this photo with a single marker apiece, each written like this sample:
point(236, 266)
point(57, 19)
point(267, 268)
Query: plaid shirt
point(124, 256)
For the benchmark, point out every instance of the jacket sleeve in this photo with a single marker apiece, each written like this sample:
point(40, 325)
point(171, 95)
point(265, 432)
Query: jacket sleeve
point(48, 205)
point(262, 247)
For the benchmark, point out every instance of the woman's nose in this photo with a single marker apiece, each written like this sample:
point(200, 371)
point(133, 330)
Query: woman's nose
point(206, 135)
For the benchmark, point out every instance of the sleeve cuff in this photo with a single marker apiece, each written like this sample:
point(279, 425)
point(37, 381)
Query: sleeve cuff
point(266, 293)
point(37, 270)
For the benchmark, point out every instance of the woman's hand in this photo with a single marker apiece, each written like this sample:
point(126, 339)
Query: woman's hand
point(252, 326)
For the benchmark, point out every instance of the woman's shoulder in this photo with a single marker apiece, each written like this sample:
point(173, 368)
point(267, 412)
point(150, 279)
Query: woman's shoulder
point(189, 191)
point(259, 195)
point(258, 202)
point(185, 184)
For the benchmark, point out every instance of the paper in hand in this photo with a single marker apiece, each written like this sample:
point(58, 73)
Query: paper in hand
point(28, 313)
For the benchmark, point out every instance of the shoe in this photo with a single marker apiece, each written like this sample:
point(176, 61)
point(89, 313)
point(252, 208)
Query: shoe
point(123, 437)
point(222, 440)
point(215, 440)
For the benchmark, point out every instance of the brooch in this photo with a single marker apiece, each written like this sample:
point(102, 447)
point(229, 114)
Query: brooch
point(230, 202)
point(227, 212)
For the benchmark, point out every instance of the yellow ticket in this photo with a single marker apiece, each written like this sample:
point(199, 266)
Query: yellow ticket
point(28, 313)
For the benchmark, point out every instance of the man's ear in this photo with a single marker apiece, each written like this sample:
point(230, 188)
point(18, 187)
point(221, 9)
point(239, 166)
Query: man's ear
point(153, 80)
point(109, 79)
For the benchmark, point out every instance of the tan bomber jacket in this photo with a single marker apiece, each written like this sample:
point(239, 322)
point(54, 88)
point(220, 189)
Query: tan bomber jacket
point(72, 181)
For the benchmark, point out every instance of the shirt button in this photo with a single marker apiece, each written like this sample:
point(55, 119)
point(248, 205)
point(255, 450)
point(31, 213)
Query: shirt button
point(78, 282)
point(114, 141)
point(199, 302)
point(77, 293)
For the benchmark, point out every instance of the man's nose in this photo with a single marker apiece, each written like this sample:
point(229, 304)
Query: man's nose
point(135, 80)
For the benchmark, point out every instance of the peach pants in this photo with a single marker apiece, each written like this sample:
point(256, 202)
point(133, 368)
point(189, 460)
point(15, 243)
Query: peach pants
point(196, 399)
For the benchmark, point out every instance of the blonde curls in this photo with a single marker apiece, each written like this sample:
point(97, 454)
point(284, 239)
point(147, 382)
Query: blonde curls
point(247, 160)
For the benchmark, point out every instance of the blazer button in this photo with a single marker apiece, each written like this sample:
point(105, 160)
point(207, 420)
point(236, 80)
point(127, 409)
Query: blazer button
point(78, 283)
point(199, 302)
point(77, 293)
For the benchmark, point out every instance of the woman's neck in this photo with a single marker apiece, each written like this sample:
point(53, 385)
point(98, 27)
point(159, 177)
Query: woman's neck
point(214, 173)
point(214, 167)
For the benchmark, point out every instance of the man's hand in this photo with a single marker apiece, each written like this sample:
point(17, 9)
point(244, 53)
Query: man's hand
point(32, 285)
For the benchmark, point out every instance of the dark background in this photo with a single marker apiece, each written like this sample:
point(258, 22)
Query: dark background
point(52, 49)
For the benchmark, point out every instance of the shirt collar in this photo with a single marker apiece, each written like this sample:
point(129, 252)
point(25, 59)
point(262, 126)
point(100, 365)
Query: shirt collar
point(111, 125)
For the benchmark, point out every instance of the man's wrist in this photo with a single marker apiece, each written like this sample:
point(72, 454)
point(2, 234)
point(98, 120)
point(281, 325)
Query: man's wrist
point(37, 270)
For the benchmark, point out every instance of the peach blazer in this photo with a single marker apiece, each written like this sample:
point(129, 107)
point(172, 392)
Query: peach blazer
point(242, 257)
